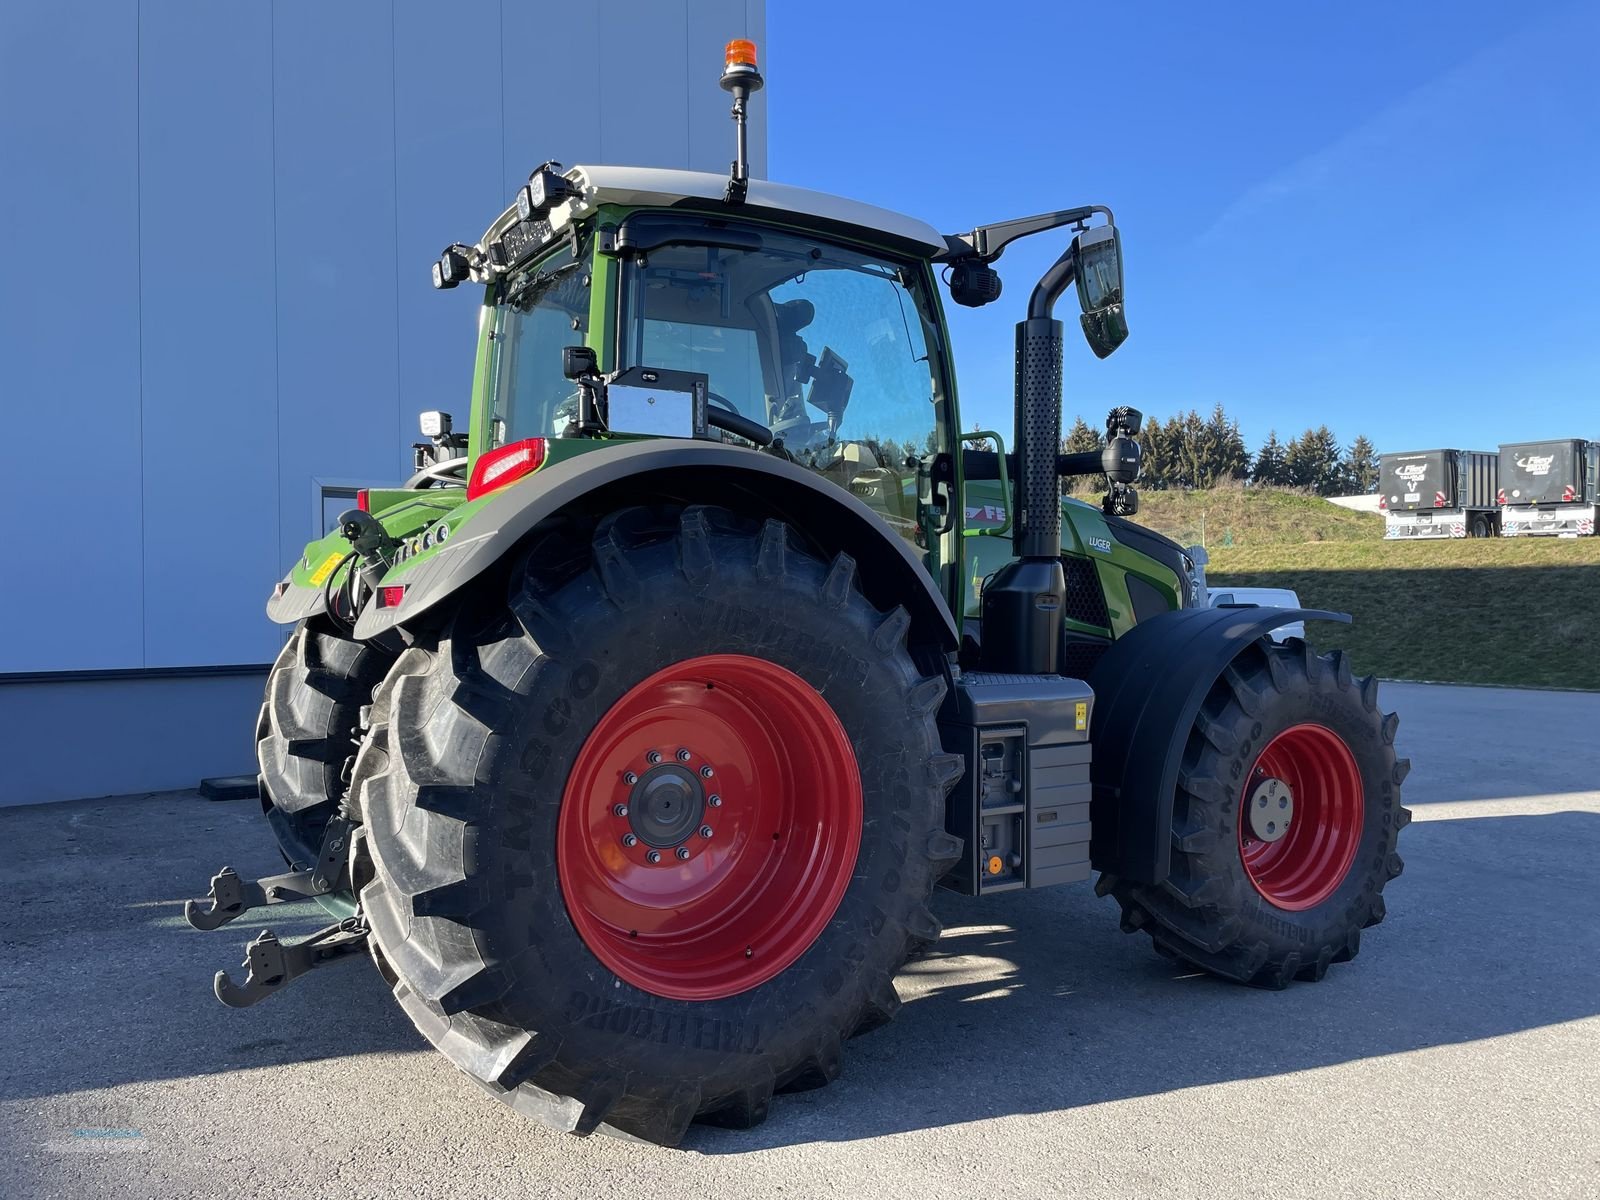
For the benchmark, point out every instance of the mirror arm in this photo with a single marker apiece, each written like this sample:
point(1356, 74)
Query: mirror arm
point(988, 242)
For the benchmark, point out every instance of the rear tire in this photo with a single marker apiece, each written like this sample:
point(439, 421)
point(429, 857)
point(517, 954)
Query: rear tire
point(474, 899)
point(1265, 904)
point(308, 730)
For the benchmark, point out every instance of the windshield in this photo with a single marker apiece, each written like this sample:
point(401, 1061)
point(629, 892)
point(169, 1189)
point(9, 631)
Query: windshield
point(826, 346)
point(538, 311)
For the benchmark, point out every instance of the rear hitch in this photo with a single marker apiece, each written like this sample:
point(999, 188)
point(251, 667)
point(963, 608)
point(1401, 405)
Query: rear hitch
point(272, 965)
point(232, 896)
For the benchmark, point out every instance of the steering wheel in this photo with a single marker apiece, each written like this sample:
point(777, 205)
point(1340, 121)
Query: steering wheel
point(735, 422)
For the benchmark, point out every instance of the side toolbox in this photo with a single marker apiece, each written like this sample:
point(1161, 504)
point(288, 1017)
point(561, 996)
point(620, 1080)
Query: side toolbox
point(1022, 807)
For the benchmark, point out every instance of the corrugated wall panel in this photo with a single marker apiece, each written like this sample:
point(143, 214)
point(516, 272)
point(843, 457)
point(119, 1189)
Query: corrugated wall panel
point(241, 203)
point(448, 187)
point(551, 74)
point(644, 101)
point(69, 332)
point(338, 407)
point(208, 331)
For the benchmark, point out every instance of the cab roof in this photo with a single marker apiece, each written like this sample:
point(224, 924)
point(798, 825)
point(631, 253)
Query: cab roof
point(657, 186)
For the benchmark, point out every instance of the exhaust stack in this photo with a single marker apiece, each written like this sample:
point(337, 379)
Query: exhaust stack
point(1022, 604)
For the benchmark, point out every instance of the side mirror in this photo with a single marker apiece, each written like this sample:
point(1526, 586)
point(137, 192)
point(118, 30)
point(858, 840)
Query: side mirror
point(578, 362)
point(1105, 326)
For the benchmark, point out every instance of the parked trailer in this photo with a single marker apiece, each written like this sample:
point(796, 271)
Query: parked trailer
point(1549, 489)
point(1439, 494)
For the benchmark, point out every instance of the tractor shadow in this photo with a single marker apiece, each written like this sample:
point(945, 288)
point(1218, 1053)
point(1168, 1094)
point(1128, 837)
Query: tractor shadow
point(1034, 1002)
point(104, 983)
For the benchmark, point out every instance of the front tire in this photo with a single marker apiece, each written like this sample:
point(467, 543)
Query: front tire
point(308, 730)
point(530, 936)
point(1284, 823)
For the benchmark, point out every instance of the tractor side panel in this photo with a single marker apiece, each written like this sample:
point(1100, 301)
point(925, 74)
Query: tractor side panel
point(1149, 687)
point(1135, 571)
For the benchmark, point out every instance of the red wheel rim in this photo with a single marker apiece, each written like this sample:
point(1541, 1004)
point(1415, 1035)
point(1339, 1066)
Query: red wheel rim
point(1300, 817)
point(724, 744)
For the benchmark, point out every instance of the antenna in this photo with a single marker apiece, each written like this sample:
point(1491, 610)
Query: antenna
point(739, 76)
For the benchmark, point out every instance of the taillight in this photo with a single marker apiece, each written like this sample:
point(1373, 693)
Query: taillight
point(505, 464)
point(390, 597)
point(364, 500)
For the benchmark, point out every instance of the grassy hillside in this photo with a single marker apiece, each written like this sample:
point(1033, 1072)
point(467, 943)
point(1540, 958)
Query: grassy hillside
point(1520, 611)
point(1237, 516)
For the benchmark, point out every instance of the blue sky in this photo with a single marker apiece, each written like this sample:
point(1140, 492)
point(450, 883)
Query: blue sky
point(1385, 217)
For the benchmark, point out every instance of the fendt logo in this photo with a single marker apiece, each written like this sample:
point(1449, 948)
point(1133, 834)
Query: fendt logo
point(1536, 464)
point(1413, 473)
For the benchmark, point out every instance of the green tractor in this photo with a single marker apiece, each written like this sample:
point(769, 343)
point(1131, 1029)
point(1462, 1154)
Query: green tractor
point(632, 734)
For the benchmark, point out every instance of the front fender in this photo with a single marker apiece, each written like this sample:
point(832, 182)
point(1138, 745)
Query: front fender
point(1148, 688)
point(679, 472)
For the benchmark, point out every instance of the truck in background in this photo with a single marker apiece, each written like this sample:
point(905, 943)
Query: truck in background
point(1549, 489)
point(1439, 494)
point(1260, 597)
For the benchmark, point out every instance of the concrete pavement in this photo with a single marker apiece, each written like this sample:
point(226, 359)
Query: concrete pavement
point(1039, 1053)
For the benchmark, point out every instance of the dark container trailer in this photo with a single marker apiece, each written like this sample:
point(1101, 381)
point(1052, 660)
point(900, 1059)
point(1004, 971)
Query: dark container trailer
point(1439, 493)
point(1549, 489)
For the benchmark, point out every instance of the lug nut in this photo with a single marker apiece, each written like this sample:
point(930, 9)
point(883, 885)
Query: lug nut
point(705, 831)
point(619, 810)
point(629, 778)
point(629, 840)
point(683, 756)
point(682, 852)
point(706, 772)
point(654, 856)
point(653, 757)
point(715, 801)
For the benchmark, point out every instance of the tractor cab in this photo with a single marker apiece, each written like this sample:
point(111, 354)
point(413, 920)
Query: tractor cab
point(821, 351)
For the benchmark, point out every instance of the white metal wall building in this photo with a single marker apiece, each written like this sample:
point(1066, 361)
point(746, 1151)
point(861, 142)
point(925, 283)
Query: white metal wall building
point(215, 317)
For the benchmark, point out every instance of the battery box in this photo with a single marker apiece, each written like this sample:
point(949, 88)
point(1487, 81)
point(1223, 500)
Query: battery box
point(1022, 806)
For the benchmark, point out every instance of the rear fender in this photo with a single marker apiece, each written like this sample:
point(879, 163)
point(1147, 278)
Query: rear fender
point(675, 472)
point(402, 512)
point(1148, 688)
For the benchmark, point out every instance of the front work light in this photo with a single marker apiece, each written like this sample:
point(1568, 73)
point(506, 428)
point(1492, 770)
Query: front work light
point(453, 268)
point(546, 187)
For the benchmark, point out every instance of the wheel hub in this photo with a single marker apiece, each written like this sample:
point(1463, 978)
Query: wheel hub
point(709, 827)
point(1271, 808)
point(1303, 808)
point(667, 805)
